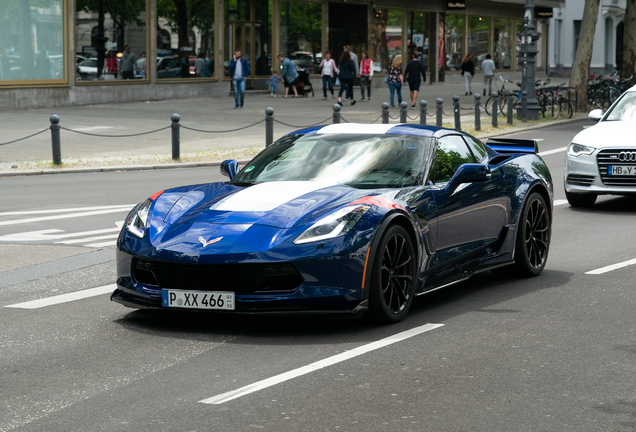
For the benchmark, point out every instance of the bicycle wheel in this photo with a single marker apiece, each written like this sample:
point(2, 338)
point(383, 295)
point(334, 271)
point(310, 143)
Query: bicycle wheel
point(556, 109)
point(565, 108)
point(489, 103)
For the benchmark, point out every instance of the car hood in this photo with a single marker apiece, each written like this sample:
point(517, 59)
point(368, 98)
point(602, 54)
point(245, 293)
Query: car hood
point(607, 134)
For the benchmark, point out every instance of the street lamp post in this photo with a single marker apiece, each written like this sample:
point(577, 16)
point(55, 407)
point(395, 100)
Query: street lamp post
point(529, 36)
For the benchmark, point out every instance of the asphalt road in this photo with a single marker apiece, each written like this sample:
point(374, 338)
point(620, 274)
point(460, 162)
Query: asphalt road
point(552, 353)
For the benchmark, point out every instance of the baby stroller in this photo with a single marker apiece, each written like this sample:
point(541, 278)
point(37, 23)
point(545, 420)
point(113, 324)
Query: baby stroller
point(304, 87)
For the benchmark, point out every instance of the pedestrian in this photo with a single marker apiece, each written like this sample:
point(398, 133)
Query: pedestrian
point(366, 74)
point(488, 66)
point(206, 72)
point(468, 71)
point(273, 82)
point(239, 69)
point(199, 65)
point(111, 63)
point(128, 64)
point(328, 70)
point(211, 65)
point(346, 74)
point(395, 79)
point(354, 59)
point(412, 73)
point(288, 74)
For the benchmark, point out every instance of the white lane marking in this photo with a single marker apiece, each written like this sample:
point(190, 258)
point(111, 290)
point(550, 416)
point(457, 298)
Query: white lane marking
point(65, 210)
point(102, 244)
point(609, 268)
point(65, 298)
point(260, 385)
point(88, 239)
point(47, 235)
point(559, 202)
point(65, 216)
point(549, 152)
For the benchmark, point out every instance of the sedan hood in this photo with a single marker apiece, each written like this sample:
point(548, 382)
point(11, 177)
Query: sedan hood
point(608, 134)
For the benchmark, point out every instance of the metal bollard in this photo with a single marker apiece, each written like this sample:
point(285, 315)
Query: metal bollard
point(458, 122)
point(269, 126)
point(510, 99)
point(423, 112)
point(55, 139)
point(524, 105)
point(336, 113)
point(403, 107)
point(175, 136)
point(385, 113)
point(494, 108)
point(440, 112)
point(477, 112)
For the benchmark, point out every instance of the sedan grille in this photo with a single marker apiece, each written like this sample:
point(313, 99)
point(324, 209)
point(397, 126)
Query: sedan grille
point(217, 277)
point(580, 179)
point(609, 157)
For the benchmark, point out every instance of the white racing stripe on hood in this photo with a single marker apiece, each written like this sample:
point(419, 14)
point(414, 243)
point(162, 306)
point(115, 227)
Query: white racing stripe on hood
point(268, 196)
point(347, 128)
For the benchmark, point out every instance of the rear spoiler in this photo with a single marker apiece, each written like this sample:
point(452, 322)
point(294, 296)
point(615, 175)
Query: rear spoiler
point(508, 145)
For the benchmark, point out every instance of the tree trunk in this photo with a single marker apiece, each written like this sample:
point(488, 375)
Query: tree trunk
point(629, 41)
point(583, 56)
point(182, 23)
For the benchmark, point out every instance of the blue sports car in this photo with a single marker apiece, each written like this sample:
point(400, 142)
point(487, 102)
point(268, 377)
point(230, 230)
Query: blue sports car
point(344, 218)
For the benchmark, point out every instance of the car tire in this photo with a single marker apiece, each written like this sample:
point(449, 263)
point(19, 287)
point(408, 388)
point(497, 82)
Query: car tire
point(533, 237)
point(393, 276)
point(580, 199)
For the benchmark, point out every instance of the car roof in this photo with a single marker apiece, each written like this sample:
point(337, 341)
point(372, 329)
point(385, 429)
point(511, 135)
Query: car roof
point(376, 129)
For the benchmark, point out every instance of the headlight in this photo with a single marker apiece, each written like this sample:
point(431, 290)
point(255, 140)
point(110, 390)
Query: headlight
point(337, 223)
point(137, 223)
point(576, 150)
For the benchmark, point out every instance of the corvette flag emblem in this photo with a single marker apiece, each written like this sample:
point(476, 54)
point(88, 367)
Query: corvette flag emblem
point(205, 243)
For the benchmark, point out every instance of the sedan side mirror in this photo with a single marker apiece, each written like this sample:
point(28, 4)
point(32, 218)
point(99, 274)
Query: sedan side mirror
point(229, 168)
point(595, 115)
point(468, 173)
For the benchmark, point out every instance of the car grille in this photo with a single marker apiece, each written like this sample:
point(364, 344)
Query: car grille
point(217, 277)
point(580, 179)
point(610, 157)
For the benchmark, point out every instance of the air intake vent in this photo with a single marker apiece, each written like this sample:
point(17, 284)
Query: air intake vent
point(580, 179)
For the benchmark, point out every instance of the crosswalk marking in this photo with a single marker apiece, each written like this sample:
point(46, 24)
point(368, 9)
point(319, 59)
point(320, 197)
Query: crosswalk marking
point(64, 298)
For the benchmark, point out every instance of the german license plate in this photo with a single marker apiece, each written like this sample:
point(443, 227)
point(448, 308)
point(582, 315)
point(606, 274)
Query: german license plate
point(621, 170)
point(210, 300)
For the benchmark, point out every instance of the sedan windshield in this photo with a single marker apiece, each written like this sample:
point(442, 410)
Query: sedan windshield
point(361, 161)
point(625, 108)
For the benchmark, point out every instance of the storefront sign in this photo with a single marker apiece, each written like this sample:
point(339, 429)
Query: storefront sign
point(542, 12)
point(456, 5)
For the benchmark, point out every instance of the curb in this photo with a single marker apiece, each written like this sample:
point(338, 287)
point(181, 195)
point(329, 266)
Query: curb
point(215, 164)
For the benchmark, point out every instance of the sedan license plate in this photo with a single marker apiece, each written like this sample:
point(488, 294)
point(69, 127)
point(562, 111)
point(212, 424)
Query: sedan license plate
point(621, 170)
point(210, 300)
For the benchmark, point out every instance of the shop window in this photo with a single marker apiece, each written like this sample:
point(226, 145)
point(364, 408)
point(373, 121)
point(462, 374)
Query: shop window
point(301, 34)
point(185, 39)
point(124, 25)
point(418, 36)
point(503, 44)
point(478, 38)
point(386, 36)
point(32, 41)
point(263, 38)
point(454, 42)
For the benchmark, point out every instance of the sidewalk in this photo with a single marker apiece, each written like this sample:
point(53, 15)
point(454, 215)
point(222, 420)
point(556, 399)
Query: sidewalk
point(85, 151)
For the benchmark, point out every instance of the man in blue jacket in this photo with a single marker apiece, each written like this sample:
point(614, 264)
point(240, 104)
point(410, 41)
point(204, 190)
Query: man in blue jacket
point(289, 74)
point(239, 69)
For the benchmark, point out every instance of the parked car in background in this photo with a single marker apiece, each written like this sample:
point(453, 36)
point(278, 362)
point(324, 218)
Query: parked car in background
point(87, 69)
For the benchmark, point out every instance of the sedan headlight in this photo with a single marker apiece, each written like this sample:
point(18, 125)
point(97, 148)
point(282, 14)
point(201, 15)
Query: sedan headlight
point(576, 150)
point(336, 224)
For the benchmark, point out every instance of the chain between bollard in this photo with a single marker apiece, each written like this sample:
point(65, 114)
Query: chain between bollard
point(114, 136)
point(229, 130)
point(26, 137)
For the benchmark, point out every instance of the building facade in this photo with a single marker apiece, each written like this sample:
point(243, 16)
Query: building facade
point(49, 52)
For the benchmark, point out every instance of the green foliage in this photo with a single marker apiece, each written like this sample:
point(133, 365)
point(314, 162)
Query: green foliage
point(305, 23)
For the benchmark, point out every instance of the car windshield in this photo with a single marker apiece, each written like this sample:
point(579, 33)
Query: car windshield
point(361, 161)
point(625, 108)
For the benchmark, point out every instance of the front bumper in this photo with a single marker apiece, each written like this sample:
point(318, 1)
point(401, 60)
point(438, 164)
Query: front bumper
point(582, 175)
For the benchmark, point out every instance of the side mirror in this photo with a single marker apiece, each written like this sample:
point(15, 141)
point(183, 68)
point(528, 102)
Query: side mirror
point(229, 168)
point(468, 173)
point(595, 115)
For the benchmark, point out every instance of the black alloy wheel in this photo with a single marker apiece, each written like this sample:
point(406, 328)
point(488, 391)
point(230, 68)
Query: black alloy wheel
point(533, 238)
point(393, 276)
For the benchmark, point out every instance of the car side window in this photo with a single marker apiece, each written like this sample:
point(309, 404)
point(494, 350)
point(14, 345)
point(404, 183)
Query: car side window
point(450, 153)
point(478, 148)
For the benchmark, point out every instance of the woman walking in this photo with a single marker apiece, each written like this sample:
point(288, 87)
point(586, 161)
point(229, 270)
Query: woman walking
point(346, 73)
point(329, 69)
point(468, 70)
point(366, 74)
point(396, 79)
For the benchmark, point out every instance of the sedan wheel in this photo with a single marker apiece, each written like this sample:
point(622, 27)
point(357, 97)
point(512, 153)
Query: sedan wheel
point(394, 276)
point(533, 237)
point(580, 200)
